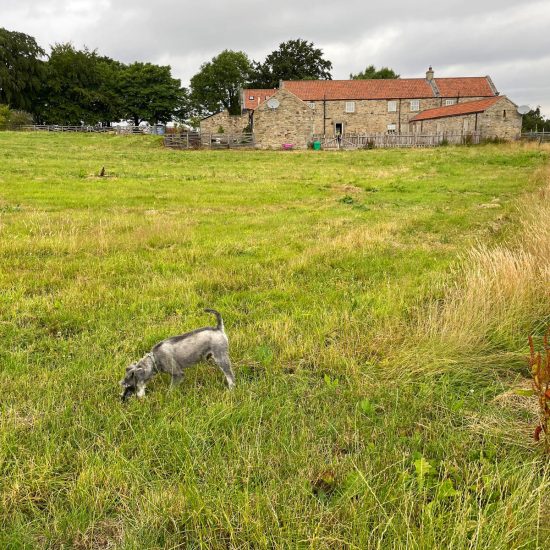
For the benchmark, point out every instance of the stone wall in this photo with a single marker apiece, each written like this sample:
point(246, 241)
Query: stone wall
point(371, 116)
point(500, 120)
point(231, 124)
point(291, 122)
point(452, 124)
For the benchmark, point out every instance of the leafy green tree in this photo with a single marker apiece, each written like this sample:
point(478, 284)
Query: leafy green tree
point(80, 87)
point(148, 92)
point(294, 60)
point(21, 69)
point(217, 85)
point(371, 72)
point(534, 121)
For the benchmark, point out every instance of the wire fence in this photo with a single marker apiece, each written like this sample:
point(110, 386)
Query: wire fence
point(375, 141)
point(125, 130)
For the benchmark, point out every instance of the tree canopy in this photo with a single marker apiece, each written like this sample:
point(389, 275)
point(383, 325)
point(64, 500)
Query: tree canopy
point(79, 87)
point(217, 85)
point(294, 60)
point(534, 121)
point(148, 92)
point(21, 69)
point(371, 72)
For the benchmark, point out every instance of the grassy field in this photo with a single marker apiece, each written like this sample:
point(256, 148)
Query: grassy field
point(377, 305)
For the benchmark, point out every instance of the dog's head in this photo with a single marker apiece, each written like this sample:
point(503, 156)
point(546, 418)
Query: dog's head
point(135, 373)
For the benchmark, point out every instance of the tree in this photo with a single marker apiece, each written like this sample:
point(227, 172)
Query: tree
point(217, 85)
point(534, 121)
point(371, 73)
point(294, 60)
point(21, 69)
point(80, 87)
point(148, 92)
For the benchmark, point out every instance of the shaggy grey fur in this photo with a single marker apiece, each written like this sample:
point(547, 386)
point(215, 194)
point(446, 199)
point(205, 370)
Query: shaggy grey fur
point(175, 354)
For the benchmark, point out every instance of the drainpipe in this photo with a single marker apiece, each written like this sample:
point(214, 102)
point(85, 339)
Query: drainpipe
point(324, 115)
point(399, 118)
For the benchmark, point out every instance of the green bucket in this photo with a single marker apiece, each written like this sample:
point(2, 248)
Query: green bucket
point(316, 145)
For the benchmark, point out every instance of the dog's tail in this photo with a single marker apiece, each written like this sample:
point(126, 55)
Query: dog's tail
point(218, 318)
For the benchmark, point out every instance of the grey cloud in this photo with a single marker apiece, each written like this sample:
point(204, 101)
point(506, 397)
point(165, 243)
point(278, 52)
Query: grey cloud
point(504, 38)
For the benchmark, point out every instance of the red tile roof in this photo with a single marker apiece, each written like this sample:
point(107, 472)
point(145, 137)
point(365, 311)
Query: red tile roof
point(458, 109)
point(472, 86)
point(406, 88)
point(317, 90)
point(258, 96)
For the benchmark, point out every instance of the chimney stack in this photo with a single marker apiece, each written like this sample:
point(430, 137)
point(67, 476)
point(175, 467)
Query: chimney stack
point(430, 74)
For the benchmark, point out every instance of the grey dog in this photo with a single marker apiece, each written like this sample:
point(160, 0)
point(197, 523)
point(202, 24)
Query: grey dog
point(175, 354)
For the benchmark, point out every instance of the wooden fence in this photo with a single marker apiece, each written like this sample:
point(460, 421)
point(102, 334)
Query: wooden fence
point(536, 136)
point(372, 141)
point(91, 129)
point(195, 140)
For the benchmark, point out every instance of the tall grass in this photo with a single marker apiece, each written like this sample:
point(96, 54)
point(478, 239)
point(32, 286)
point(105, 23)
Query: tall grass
point(318, 263)
point(497, 296)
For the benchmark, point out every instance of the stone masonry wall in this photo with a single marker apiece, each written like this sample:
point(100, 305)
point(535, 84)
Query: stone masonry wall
point(371, 116)
point(451, 124)
point(231, 124)
point(501, 120)
point(291, 122)
point(493, 122)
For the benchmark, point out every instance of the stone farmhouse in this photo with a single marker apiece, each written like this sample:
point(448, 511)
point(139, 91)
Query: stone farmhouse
point(299, 110)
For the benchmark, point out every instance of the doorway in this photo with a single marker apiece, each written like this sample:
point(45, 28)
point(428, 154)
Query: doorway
point(338, 128)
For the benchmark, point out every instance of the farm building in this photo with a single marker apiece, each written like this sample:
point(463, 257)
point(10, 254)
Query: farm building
point(300, 110)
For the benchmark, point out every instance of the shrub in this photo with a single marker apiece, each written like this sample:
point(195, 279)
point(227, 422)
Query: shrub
point(11, 119)
point(369, 144)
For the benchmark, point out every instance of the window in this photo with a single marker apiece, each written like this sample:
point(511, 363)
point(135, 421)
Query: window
point(250, 97)
point(311, 104)
point(450, 102)
point(504, 113)
point(392, 106)
point(392, 128)
point(350, 106)
point(415, 105)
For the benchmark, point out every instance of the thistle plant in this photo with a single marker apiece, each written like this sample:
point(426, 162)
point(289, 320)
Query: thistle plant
point(539, 364)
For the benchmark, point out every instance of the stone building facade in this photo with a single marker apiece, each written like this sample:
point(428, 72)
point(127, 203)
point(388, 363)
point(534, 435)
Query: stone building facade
point(285, 120)
point(230, 124)
point(495, 117)
point(310, 108)
point(380, 106)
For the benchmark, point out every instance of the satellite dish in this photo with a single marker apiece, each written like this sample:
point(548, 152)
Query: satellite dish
point(273, 103)
point(523, 109)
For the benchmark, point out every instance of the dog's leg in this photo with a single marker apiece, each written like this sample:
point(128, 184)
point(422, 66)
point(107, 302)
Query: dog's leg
point(224, 363)
point(140, 390)
point(177, 378)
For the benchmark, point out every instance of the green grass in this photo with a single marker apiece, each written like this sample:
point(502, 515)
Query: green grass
point(319, 262)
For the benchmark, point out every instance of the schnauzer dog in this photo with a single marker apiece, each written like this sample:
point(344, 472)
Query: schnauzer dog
point(175, 354)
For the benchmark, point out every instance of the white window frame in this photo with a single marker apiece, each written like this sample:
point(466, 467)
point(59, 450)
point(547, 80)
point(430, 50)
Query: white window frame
point(350, 106)
point(392, 106)
point(392, 128)
point(311, 104)
point(449, 102)
point(415, 105)
point(251, 97)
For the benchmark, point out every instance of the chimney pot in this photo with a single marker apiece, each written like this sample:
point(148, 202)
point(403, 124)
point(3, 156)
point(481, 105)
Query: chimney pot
point(430, 73)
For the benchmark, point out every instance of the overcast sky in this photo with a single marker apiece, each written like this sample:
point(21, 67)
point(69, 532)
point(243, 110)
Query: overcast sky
point(507, 39)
